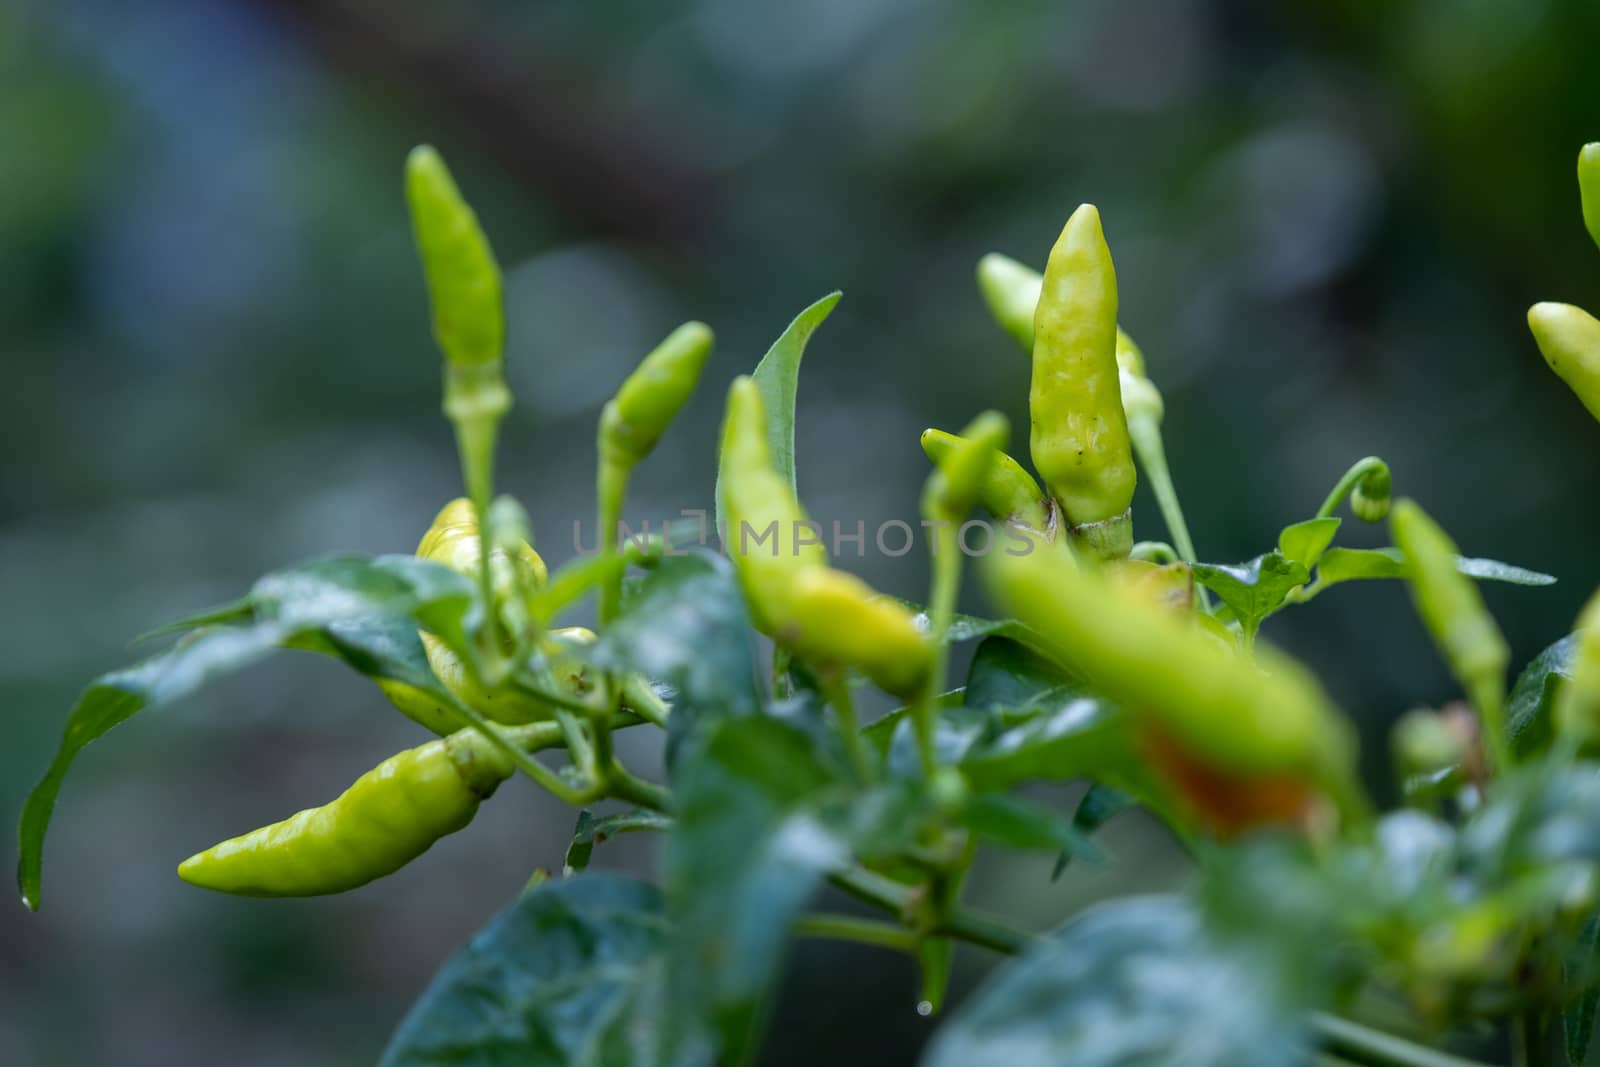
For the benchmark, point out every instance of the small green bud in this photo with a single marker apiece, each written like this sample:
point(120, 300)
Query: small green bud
point(1008, 491)
point(957, 483)
point(1569, 340)
point(1424, 744)
point(1369, 500)
point(651, 397)
point(463, 278)
point(1589, 186)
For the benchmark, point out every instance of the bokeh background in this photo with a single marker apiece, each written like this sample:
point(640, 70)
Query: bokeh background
point(1328, 218)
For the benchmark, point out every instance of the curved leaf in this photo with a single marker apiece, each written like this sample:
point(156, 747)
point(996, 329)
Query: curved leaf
point(777, 376)
point(1528, 723)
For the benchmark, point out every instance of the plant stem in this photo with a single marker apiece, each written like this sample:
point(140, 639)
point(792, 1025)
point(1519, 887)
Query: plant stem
point(611, 488)
point(837, 688)
point(525, 763)
point(638, 697)
point(1145, 432)
point(946, 585)
point(862, 931)
point(625, 785)
point(1374, 1048)
point(475, 400)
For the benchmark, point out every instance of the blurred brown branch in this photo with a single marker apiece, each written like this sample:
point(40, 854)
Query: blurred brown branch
point(606, 172)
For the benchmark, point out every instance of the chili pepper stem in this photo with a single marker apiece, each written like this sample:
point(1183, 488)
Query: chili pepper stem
point(475, 400)
point(578, 745)
point(525, 763)
point(638, 697)
point(836, 687)
point(860, 931)
point(1145, 432)
point(946, 585)
point(611, 489)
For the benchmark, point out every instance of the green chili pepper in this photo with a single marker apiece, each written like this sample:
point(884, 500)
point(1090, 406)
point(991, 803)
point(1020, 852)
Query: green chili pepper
point(463, 278)
point(453, 540)
point(1577, 706)
point(825, 616)
point(1589, 186)
point(764, 518)
point(386, 819)
point(634, 420)
point(1080, 440)
point(835, 619)
point(1262, 716)
point(965, 469)
point(1008, 492)
point(1011, 290)
point(1569, 339)
point(1453, 610)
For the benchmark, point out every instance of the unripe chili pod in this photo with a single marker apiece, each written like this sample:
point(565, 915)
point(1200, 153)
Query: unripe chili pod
point(453, 540)
point(756, 499)
point(463, 278)
point(1258, 720)
point(1079, 437)
point(961, 476)
point(1577, 708)
point(1011, 290)
point(386, 819)
point(1589, 187)
point(1008, 492)
point(634, 420)
point(1453, 611)
point(836, 619)
point(1569, 340)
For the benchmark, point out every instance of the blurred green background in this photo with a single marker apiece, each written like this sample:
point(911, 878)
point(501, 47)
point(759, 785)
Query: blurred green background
point(1328, 218)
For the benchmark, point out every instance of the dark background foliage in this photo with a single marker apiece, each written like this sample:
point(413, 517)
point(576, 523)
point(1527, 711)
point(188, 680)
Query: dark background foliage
point(1328, 218)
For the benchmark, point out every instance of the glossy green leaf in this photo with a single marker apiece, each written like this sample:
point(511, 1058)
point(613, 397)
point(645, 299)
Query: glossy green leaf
point(686, 625)
point(1255, 589)
point(748, 852)
point(1529, 725)
point(1305, 542)
point(1017, 823)
point(1068, 735)
point(568, 974)
point(1007, 673)
point(1131, 983)
point(1349, 564)
point(355, 608)
point(1099, 806)
point(777, 376)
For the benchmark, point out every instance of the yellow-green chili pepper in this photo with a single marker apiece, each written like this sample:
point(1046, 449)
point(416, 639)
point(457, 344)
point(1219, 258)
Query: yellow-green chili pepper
point(1262, 716)
point(453, 540)
point(386, 819)
point(1589, 187)
point(1079, 437)
point(1008, 492)
point(1011, 290)
point(762, 514)
point(463, 278)
point(1577, 708)
point(825, 616)
point(1454, 613)
point(1569, 340)
point(634, 420)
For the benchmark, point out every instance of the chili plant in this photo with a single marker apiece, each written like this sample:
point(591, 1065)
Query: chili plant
point(1132, 665)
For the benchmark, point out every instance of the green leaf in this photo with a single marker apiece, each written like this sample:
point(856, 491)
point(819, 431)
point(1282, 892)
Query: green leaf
point(686, 625)
point(748, 851)
point(1577, 1018)
point(1348, 564)
point(1066, 735)
point(1528, 720)
point(1134, 982)
point(591, 831)
point(777, 376)
point(1099, 806)
point(1017, 823)
point(1305, 542)
point(1006, 673)
point(568, 974)
point(350, 607)
point(1255, 589)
